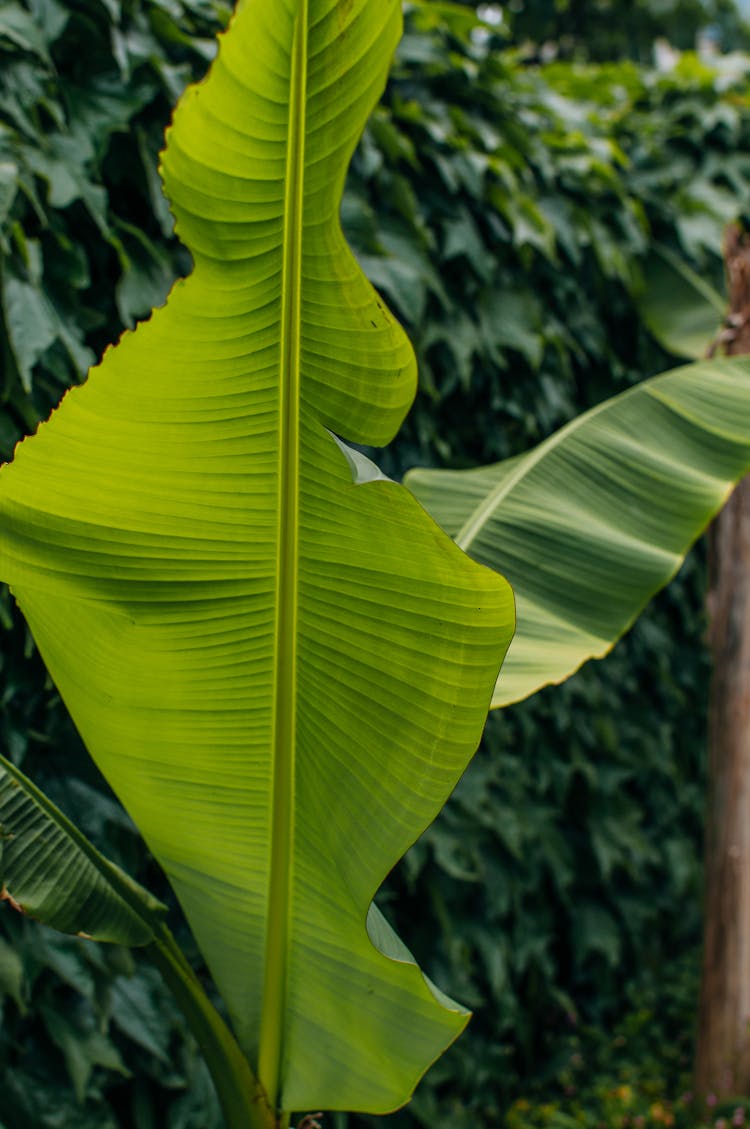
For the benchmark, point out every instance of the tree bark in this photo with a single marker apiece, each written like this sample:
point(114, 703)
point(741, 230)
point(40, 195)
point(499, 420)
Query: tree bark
point(722, 1063)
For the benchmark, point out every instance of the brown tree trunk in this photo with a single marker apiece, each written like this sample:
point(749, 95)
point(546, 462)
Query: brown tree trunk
point(723, 1051)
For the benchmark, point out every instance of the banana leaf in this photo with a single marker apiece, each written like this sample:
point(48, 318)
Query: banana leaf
point(49, 871)
point(590, 524)
point(683, 310)
point(281, 664)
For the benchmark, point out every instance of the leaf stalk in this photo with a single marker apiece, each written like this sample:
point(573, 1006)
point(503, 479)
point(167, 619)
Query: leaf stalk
point(240, 1094)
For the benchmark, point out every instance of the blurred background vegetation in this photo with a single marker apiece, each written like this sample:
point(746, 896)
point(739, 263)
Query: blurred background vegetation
point(505, 199)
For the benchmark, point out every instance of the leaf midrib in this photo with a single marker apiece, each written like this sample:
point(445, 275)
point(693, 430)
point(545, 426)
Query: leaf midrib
point(285, 660)
point(485, 510)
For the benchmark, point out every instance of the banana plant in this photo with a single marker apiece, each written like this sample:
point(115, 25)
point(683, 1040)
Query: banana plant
point(279, 661)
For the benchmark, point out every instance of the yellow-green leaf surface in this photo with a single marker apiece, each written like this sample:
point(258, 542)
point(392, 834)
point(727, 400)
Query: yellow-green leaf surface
point(595, 520)
point(282, 672)
point(51, 872)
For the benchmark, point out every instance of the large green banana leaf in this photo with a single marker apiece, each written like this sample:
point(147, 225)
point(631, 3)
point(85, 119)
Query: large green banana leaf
point(282, 671)
point(592, 522)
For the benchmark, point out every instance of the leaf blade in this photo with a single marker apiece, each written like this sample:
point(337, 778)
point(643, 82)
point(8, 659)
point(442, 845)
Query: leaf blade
point(283, 694)
point(50, 871)
point(592, 522)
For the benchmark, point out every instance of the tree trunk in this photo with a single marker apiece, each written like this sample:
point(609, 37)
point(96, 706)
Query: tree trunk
point(723, 1051)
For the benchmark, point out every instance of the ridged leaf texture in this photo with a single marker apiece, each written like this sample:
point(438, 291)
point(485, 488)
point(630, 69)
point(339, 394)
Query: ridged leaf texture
point(282, 671)
point(49, 871)
point(590, 524)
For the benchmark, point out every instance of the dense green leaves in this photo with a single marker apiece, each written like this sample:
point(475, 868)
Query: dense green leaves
point(80, 245)
point(94, 1040)
point(611, 29)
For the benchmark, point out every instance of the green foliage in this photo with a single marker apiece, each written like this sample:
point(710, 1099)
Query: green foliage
point(89, 1037)
point(569, 857)
point(507, 240)
point(541, 191)
point(85, 244)
point(637, 1074)
point(614, 29)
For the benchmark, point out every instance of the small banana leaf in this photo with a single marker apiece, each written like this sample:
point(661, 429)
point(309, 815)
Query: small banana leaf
point(683, 310)
point(51, 872)
point(590, 524)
